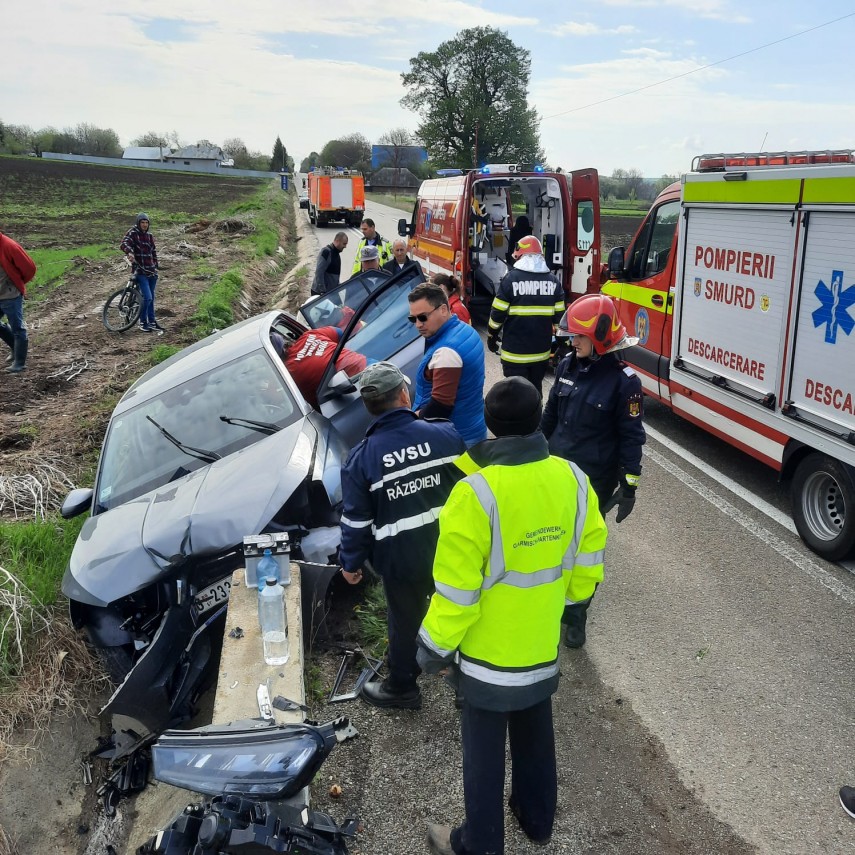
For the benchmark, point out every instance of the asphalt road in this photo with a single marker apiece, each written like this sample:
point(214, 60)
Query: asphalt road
point(728, 644)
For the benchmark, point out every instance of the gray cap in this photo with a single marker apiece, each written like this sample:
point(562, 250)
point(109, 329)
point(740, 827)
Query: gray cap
point(378, 379)
point(369, 253)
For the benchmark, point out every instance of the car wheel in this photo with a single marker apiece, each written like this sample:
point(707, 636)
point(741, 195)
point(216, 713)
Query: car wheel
point(823, 495)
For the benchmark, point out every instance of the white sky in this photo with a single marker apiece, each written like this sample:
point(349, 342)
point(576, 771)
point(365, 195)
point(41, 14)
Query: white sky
point(310, 72)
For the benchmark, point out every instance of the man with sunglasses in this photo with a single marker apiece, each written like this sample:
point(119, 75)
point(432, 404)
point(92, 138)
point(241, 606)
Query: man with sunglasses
point(450, 377)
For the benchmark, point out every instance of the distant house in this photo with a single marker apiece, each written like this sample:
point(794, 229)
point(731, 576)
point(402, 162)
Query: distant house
point(146, 152)
point(196, 155)
point(390, 180)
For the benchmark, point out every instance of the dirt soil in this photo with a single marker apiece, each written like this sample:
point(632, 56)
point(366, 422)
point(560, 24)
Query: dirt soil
point(618, 792)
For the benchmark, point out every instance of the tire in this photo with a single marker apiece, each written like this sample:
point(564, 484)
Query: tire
point(823, 494)
point(122, 309)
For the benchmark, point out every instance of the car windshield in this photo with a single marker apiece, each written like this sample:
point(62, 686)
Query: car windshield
point(336, 307)
point(137, 456)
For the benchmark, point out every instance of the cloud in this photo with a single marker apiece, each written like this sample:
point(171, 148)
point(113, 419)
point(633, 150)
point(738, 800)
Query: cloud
point(719, 10)
point(575, 28)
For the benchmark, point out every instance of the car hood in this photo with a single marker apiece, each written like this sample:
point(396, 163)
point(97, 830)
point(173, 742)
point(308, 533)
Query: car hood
point(202, 514)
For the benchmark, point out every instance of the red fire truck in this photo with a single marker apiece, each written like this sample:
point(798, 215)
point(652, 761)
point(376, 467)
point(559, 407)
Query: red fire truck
point(740, 284)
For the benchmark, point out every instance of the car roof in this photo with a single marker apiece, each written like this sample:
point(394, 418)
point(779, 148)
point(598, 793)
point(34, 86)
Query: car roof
point(203, 356)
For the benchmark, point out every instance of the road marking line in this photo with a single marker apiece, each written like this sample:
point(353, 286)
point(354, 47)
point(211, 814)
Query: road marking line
point(728, 483)
point(801, 562)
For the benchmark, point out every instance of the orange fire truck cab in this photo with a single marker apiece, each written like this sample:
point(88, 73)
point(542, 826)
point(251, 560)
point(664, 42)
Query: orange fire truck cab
point(336, 194)
point(461, 224)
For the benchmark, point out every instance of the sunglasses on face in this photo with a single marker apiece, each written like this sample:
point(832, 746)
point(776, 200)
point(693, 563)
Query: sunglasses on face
point(421, 318)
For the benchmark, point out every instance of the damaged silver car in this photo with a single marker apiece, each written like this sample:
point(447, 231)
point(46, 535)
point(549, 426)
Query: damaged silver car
point(214, 444)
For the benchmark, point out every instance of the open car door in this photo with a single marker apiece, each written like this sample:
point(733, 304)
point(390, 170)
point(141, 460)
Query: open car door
point(336, 307)
point(380, 331)
point(583, 240)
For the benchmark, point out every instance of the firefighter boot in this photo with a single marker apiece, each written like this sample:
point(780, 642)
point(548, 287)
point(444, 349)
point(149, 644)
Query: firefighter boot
point(575, 618)
point(20, 352)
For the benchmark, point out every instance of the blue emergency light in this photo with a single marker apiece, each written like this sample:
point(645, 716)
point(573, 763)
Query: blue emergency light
point(485, 170)
point(538, 168)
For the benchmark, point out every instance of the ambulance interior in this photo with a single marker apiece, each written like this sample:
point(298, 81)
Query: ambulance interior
point(492, 220)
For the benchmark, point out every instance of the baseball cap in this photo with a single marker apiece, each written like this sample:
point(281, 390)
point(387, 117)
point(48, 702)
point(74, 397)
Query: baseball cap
point(369, 253)
point(378, 379)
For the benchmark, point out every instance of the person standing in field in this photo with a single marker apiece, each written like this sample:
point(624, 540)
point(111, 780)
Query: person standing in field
point(140, 250)
point(16, 270)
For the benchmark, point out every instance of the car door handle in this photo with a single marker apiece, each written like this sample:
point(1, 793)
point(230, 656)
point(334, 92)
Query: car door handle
point(657, 300)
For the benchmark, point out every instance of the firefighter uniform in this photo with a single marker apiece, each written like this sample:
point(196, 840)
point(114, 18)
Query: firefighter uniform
point(509, 558)
point(394, 484)
point(384, 248)
point(526, 308)
point(593, 416)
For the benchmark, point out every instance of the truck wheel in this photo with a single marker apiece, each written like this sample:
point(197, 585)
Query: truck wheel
point(823, 494)
point(312, 217)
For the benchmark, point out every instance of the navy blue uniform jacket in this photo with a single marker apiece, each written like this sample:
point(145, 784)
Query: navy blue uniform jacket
point(394, 485)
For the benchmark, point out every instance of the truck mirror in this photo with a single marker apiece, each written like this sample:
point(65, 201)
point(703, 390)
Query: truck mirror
point(403, 228)
point(616, 259)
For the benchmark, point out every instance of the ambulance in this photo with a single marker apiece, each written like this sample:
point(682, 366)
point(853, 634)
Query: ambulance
point(740, 285)
point(462, 224)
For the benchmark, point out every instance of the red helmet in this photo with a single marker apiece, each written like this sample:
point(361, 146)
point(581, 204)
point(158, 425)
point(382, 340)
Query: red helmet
point(596, 316)
point(529, 245)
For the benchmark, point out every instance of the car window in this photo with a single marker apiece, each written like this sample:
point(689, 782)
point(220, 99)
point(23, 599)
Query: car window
point(138, 458)
point(331, 309)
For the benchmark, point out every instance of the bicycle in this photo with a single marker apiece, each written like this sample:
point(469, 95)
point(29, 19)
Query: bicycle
point(122, 309)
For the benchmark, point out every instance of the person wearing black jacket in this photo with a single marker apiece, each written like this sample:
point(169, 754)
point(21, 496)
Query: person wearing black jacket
point(401, 260)
point(394, 485)
point(593, 417)
point(526, 308)
point(328, 268)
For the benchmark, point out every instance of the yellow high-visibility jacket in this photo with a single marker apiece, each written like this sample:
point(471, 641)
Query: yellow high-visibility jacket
point(520, 537)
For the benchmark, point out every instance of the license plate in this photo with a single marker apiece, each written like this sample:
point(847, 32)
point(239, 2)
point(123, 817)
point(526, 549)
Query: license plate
point(213, 596)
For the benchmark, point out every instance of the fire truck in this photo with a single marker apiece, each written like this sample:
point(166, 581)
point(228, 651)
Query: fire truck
point(462, 222)
point(740, 285)
point(336, 194)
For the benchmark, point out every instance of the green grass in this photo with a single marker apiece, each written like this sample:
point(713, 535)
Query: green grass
point(371, 616)
point(215, 306)
point(53, 264)
point(623, 212)
point(405, 203)
point(162, 352)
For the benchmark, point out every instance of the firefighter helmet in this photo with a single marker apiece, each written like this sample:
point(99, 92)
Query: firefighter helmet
point(528, 245)
point(596, 316)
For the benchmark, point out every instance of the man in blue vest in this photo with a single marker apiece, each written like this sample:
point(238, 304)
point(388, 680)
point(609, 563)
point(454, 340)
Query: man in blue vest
point(393, 486)
point(450, 377)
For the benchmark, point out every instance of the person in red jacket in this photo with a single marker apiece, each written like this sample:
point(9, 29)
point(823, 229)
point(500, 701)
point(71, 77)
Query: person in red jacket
point(307, 358)
point(16, 270)
point(451, 286)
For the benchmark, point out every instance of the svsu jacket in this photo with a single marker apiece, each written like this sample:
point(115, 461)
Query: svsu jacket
point(19, 267)
point(526, 307)
point(394, 485)
point(594, 417)
point(509, 559)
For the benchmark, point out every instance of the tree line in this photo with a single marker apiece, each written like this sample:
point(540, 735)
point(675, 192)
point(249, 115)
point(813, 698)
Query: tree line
point(88, 139)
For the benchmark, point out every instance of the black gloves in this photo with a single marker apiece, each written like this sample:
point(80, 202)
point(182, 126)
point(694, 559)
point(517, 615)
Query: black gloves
point(493, 342)
point(623, 497)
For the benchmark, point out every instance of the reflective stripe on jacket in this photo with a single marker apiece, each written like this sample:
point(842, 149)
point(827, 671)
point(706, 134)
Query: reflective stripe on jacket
point(510, 556)
point(526, 307)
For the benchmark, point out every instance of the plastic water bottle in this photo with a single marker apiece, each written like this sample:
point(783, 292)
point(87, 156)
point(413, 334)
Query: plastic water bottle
point(267, 566)
point(274, 622)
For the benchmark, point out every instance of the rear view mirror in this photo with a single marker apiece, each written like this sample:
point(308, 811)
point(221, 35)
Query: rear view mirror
point(341, 384)
point(403, 228)
point(76, 502)
point(616, 261)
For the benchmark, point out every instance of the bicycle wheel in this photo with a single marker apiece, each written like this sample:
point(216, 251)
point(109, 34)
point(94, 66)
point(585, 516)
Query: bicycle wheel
point(122, 309)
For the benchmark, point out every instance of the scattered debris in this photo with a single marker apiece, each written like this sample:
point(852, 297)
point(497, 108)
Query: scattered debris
point(130, 777)
point(347, 659)
point(237, 632)
point(72, 370)
point(286, 704)
point(335, 791)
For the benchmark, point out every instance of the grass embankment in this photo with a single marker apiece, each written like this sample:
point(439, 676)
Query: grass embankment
point(405, 203)
point(34, 553)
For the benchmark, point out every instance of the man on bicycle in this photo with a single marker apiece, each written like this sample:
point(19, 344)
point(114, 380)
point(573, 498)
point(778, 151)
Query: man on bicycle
point(138, 246)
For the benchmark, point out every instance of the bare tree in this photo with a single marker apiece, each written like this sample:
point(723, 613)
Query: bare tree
point(398, 143)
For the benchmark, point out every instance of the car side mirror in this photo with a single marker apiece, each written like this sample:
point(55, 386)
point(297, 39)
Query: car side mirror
point(341, 384)
point(403, 228)
point(77, 502)
point(616, 260)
